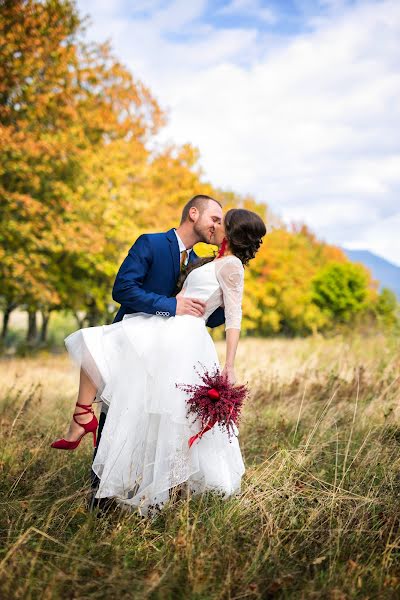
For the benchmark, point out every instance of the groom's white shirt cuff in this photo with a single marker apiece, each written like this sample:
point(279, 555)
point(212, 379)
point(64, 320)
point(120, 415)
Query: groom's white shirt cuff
point(182, 247)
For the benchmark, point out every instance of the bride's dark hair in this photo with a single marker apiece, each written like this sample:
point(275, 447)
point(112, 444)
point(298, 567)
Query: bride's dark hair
point(244, 231)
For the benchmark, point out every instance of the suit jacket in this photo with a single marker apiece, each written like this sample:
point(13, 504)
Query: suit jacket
point(146, 280)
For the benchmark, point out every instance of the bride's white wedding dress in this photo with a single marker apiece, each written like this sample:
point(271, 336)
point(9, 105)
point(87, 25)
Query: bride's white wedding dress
point(136, 364)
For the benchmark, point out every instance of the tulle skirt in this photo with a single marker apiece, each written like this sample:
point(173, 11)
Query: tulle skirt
point(144, 452)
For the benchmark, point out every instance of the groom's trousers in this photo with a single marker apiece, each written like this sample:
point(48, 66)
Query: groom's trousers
point(94, 479)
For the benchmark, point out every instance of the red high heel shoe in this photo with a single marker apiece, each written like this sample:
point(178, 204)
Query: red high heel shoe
point(90, 427)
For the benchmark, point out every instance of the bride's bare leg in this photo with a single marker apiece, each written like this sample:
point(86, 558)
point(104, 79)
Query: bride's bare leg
point(86, 395)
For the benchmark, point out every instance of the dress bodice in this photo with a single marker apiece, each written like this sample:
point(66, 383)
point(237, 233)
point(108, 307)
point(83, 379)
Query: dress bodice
point(218, 283)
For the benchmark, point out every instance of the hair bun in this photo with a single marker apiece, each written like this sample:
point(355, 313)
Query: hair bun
point(245, 230)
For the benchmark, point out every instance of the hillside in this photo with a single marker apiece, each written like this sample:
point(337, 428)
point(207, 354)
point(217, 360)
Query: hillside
point(382, 270)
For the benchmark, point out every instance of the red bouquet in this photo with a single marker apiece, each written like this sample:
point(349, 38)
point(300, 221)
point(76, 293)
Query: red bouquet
point(215, 401)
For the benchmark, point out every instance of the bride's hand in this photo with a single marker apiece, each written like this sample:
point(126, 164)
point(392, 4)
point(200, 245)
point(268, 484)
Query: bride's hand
point(230, 373)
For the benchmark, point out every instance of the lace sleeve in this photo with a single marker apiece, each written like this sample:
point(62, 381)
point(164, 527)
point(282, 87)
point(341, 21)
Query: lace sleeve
point(230, 275)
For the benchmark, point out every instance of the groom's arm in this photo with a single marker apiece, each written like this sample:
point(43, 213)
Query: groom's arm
point(217, 318)
point(128, 289)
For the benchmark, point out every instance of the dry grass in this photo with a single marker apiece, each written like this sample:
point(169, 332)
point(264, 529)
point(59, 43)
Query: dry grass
point(319, 512)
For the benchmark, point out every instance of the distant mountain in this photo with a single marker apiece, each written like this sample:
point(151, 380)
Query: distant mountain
point(382, 270)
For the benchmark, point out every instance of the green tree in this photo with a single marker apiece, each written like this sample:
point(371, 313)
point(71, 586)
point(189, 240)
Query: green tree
point(341, 290)
point(387, 308)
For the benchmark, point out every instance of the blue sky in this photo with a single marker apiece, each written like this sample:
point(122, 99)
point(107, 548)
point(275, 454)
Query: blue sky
point(295, 102)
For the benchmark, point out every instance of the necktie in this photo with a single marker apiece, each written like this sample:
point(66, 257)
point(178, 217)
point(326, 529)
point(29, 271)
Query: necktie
point(184, 256)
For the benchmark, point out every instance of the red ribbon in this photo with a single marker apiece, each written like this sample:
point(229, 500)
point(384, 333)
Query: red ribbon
point(214, 395)
point(223, 248)
point(199, 435)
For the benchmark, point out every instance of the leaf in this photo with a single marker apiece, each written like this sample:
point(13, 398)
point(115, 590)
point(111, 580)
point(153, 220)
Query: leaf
point(319, 560)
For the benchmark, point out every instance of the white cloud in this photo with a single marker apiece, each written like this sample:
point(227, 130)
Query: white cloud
point(177, 14)
point(380, 236)
point(252, 8)
point(308, 123)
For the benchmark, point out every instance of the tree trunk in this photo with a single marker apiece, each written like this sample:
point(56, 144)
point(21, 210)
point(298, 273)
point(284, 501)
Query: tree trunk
point(79, 320)
point(32, 327)
point(93, 315)
point(93, 319)
point(6, 319)
point(44, 328)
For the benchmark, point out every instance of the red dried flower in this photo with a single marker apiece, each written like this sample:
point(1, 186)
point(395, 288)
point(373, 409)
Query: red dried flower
point(215, 401)
point(213, 394)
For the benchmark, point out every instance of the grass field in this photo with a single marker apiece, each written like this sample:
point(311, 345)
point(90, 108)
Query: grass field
point(319, 513)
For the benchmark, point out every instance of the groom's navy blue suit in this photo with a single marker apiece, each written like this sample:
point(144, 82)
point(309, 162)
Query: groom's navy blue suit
point(146, 282)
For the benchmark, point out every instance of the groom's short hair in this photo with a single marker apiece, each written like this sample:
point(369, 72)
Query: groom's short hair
point(200, 202)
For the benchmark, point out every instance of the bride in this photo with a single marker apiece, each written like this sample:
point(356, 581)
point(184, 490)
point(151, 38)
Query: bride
point(135, 365)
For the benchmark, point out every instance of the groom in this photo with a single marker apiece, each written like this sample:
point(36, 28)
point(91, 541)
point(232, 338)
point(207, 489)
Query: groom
point(146, 281)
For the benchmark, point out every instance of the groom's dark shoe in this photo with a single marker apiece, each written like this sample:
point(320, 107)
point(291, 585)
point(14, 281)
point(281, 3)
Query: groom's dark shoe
point(101, 506)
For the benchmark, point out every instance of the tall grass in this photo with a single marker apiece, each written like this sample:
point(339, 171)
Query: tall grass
point(319, 512)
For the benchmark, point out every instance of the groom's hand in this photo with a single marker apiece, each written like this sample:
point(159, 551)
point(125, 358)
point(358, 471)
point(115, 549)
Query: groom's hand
point(190, 306)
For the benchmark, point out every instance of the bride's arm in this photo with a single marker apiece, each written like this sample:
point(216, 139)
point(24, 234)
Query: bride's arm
point(230, 275)
point(232, 340)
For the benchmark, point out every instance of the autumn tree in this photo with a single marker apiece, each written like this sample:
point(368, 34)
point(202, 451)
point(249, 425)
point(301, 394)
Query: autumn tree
point(64, 105)
point(278, 296)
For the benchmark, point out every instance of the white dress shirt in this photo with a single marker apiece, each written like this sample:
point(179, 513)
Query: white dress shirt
point(182, 247)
